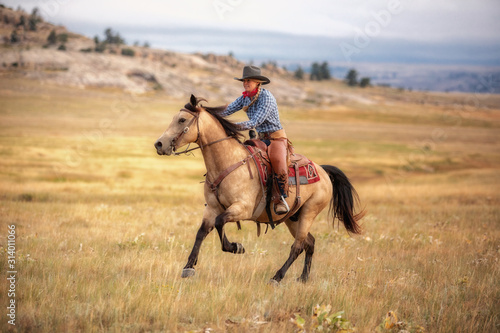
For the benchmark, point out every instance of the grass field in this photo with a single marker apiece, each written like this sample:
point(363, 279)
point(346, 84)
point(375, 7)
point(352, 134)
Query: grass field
point(104, 225)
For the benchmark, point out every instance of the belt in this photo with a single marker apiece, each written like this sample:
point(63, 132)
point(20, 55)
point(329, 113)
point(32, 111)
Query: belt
point(279, 134)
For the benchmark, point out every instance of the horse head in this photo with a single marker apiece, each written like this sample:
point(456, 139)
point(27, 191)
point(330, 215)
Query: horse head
point(183, 129)
point(186, 128)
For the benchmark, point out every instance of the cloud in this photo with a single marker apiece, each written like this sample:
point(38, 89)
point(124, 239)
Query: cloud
point(459, 30)
point(416, 20)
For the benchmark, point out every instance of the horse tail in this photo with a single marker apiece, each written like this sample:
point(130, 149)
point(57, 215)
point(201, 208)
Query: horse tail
point(344, 199)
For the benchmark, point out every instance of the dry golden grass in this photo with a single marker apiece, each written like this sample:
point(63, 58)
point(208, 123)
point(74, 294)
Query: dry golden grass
point(104, 225)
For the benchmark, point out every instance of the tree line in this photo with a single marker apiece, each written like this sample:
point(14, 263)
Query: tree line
point(321, 72)
point(351, 79)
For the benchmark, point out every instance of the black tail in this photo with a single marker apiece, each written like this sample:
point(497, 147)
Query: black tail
point(344, 199)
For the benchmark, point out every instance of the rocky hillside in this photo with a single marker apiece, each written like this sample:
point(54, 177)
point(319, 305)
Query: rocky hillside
point(33, 48)
point(72, 60)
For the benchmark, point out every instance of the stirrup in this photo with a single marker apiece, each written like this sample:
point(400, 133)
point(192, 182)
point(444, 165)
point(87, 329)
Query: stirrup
point(286, 206)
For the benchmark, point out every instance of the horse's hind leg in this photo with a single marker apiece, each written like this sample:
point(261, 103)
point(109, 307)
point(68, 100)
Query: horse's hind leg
point(303, 241)
point(309, 248)
point(295, 251)
point(227, 246)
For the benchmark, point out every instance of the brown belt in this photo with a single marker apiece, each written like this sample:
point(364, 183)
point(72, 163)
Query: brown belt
point(279, 134)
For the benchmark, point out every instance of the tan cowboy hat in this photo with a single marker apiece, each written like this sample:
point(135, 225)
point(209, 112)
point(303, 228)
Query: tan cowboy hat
point(253, 72)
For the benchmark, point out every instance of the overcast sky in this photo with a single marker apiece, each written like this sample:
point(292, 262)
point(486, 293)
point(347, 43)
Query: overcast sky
point(467, 26)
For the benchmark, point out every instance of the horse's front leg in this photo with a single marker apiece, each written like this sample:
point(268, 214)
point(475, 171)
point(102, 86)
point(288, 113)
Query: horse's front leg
point(206, 226)
point(232, 214)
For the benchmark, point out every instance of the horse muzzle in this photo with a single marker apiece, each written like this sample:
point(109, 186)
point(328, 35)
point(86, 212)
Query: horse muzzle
point(162, 149)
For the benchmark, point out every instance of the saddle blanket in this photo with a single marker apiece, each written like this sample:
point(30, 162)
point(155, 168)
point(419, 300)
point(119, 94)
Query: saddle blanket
point(307, 174)
point(307, 171)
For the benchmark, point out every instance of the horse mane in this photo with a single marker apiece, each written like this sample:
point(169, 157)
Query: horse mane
point(230, 128)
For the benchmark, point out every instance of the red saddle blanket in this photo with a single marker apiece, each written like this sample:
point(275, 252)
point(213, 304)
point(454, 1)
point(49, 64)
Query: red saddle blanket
point(307, 171)
point(307, 174)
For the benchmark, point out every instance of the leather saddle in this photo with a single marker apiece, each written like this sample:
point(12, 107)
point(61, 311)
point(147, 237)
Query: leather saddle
point(300, 171)
point(294, 159)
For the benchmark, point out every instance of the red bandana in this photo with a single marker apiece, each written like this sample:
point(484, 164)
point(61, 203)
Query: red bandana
point(250, 94)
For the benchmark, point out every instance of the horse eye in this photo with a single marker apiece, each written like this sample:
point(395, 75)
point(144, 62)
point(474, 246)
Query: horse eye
point(182, 120)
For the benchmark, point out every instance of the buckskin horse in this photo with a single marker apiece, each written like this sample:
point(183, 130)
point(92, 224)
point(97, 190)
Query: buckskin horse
point(234, 192)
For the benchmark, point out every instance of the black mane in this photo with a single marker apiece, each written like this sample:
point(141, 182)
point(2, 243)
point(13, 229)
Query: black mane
point(230, 128)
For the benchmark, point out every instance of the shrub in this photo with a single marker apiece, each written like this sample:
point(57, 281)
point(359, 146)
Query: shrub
point(63, 38)
point(14, 37)
point(100, 48)
point(365, 82)
point(299, 73)
point(22, 21)
point(128, 52)
point(112, 38)
point(34, 19)
point(52, 39)
point(352, 78)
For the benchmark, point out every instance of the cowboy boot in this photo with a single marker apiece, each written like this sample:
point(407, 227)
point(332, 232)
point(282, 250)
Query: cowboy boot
point(281, 207)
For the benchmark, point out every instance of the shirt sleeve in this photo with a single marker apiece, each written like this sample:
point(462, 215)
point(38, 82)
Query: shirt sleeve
point(264, 105)
point(233, 107)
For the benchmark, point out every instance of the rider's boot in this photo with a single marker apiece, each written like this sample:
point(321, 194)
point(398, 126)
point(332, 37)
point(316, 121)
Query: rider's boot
point(281, 207)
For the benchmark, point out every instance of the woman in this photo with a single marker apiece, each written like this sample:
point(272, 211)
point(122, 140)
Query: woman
point(262, 111)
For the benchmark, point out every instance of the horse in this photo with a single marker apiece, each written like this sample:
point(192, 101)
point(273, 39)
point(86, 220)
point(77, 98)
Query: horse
point(232, 192)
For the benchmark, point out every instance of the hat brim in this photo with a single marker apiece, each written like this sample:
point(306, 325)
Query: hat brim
point(264, 79)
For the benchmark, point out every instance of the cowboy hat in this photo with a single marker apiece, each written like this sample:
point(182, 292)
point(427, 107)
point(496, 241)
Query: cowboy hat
point(253, 72)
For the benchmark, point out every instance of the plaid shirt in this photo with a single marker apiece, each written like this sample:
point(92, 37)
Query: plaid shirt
point(263, 114)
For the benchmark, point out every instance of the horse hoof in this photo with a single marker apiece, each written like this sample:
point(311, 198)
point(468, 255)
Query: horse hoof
point(274, 283)
point(239, 248)
point(187, 272)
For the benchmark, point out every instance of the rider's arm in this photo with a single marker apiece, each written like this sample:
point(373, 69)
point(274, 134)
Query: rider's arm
point(233, 107)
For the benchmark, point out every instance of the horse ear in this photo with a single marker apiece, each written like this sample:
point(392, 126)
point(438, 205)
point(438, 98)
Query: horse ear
point(194, 101)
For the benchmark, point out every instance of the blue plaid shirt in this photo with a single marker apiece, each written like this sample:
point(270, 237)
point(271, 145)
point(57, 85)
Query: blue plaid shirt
point(263, 114)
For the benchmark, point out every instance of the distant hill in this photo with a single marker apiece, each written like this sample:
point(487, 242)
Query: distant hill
point(424, 77)
point(52, 54)
point(74, 61)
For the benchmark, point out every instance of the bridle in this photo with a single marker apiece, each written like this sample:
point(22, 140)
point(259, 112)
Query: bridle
point(196, 116)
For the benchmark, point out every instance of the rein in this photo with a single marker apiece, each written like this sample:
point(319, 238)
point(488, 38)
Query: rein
point(196, 116)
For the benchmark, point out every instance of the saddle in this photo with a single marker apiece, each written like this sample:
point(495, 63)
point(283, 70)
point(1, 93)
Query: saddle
point(301, 171)
point(307, 170)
